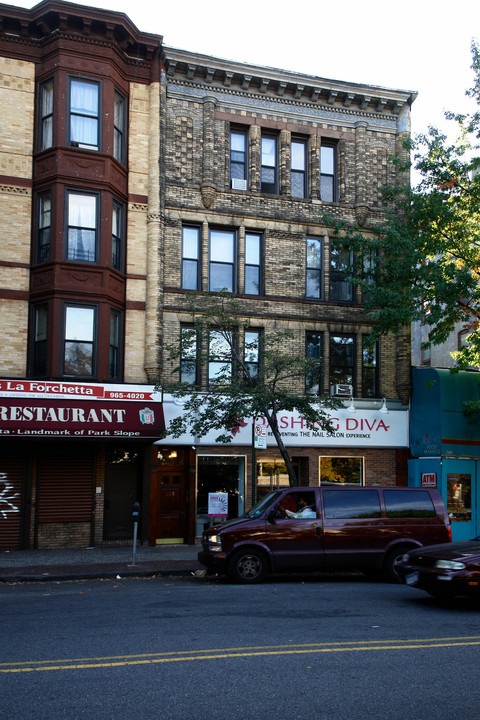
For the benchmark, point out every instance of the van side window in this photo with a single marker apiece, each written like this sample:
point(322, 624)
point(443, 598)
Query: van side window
point(298, 505)
point(408, 504)
point(351, 504)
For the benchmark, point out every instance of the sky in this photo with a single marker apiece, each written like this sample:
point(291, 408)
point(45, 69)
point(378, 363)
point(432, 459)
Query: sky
point(419, 45)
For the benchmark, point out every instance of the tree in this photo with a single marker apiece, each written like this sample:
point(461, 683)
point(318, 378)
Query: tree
point(245, 375)
point(423, 262)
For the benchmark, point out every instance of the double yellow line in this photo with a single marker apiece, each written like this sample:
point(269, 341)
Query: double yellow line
point(223, 653)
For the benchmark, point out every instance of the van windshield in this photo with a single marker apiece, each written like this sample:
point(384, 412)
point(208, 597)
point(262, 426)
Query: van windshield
point(263, 504)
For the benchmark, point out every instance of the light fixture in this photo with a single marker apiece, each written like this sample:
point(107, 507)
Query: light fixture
point(384, 408)
point(172, 454)
point(351, 408)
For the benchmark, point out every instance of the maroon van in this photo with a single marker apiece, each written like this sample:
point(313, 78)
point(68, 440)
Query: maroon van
point(326, 528)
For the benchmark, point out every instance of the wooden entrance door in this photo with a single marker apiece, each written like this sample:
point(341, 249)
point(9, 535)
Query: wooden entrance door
point(167, 506)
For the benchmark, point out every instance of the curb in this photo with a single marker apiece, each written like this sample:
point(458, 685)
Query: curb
point(100, 575)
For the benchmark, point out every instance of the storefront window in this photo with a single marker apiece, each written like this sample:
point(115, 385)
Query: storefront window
point(341, 471)
point(220, 473)
point(171, 456)
point(459, 497)
point(271, 475)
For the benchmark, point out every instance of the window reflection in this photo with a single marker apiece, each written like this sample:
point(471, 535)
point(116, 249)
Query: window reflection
point(459, 497)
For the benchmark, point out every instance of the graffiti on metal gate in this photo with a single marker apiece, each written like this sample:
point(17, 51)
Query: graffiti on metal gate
point(8, 498)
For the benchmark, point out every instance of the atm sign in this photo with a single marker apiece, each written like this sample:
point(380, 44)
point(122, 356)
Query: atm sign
point(429, 480)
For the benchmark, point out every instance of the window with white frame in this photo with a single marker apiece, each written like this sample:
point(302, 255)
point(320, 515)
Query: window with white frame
point(190, 257)
point(253, 263)
point(82, 226)
point(84, 113)
point(79, 340)
point(222, 261)
point(298, 168)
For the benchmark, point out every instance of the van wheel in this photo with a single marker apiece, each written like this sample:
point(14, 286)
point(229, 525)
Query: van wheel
point(391, 562)
point(247, 566)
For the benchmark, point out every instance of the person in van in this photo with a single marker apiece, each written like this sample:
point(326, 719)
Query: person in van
point(304, 510)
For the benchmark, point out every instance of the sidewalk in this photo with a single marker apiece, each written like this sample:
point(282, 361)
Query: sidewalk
point(94, 563)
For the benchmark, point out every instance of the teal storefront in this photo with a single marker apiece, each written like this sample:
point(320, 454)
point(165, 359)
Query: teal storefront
point(445, 447)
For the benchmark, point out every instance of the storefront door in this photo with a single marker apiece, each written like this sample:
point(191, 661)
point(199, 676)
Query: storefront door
point(460, 481)
point(167, 506)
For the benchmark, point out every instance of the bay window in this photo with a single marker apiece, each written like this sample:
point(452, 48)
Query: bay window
point(79, 340)
point(84, 113)
point(81, 227)
point(46, 115)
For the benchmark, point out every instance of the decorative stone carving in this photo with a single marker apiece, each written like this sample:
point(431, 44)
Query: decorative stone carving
point(361, 214)
point(208, 195)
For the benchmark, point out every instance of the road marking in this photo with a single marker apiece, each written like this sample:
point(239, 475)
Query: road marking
point(223, 653)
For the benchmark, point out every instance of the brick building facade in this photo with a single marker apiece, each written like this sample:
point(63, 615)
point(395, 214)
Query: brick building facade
point(255, 158)
point(132, 174)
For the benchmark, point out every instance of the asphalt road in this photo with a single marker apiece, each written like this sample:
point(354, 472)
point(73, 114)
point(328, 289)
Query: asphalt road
point(327, 648)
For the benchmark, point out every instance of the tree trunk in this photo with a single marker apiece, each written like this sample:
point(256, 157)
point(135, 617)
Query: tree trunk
point(292, 477)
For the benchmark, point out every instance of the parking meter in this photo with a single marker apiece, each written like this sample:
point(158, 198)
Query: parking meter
point(135, 518)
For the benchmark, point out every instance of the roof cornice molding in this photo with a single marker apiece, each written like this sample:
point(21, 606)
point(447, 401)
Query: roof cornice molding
point(275, 83)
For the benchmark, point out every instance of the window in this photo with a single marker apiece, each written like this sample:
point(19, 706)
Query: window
point(342, 363)
point(253, 255)
point(84, 114)
point(354, 504)
point(343, 471)
point(222, 261)
point(327, 173)
point(220, 359)
point(269, 168)
point(40, 340)
point(313, 353)
point(79, 340)
point(409, 504)
point(341, 261)
point(314, 286)
point(252, 352)
point(238, 159)
point(81, 227)
point(117, 235)
point(369, 368)
point(190, 258)
point(114, 347)
point(119, 105)
point(46, 115)
point(188, 355)
point(459, 497)
point(44, 227)
point(298, 168)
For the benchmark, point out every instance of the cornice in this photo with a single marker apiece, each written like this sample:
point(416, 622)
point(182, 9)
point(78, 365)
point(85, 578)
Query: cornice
point(227, 76)
point(54, 20)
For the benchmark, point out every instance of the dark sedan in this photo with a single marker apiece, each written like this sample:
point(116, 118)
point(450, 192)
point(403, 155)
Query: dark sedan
point(443, 570)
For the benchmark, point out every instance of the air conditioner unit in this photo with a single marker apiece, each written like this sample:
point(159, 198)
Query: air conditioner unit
point(343, 390)
point(239, 184)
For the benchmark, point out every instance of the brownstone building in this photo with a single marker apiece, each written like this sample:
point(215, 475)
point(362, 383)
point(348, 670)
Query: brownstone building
point(132, 174)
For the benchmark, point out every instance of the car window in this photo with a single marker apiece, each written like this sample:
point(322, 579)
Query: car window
point(299, 505)
point(408, 504)
point(351, 504)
